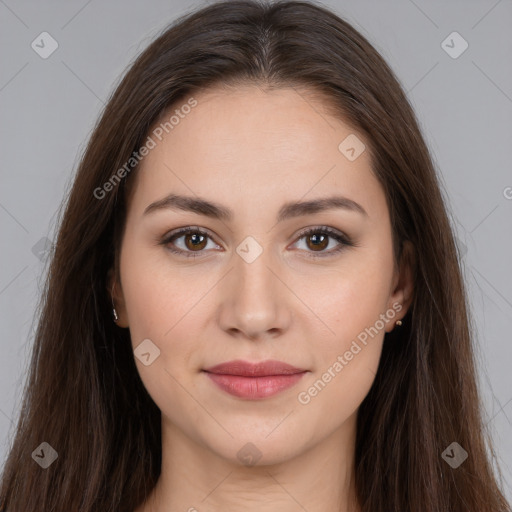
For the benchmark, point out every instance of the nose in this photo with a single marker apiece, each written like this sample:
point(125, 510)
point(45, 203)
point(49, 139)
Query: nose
point(254, 299)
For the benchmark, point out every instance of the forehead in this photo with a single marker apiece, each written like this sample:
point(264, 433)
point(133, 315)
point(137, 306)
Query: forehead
point(249, 140)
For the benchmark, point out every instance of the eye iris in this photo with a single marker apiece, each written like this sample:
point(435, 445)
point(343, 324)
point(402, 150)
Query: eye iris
point(322, 243)
point(195, 237)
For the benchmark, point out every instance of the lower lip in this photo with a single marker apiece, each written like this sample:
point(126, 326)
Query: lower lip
point(254, 387)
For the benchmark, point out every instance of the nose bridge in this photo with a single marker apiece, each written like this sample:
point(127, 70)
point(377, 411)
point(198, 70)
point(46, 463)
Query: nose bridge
point(254, 300)
point(255, 270)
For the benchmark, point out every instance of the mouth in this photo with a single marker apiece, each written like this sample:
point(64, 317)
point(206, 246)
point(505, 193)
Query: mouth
point(254, 380)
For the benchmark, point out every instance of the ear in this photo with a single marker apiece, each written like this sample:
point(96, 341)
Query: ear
point(115, 293)
point(403, 284)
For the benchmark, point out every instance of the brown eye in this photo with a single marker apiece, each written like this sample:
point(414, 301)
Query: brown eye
point(189, 242)
point(318, 242)
point(318, 239)
point(195, 241)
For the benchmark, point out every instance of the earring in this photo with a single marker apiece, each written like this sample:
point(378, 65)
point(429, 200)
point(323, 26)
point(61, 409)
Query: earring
point(114, 312)
point(398, 322)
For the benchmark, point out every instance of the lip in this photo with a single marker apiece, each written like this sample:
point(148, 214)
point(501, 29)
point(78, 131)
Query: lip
point(254, 380)
point(259, 369)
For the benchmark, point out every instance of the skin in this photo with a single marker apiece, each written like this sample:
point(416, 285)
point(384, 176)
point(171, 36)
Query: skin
point(252, 150)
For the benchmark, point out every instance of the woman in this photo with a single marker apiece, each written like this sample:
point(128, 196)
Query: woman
point(255, 300)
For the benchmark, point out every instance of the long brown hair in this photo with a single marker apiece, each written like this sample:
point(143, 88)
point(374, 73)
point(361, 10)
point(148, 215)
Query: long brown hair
point(84, 396)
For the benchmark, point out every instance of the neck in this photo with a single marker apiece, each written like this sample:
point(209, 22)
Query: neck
point(195, 479)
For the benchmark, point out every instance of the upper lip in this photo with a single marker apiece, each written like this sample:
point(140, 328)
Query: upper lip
point(259, 369)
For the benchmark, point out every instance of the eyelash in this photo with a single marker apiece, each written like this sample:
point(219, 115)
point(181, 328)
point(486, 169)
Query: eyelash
point(324, 230)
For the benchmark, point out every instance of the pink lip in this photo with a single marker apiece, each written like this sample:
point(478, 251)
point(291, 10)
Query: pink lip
point(254, 380)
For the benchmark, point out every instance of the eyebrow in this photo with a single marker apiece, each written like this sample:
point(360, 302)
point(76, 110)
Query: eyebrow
point(287, 211)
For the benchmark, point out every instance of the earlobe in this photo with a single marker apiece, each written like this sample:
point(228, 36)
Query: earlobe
point(402, 295)
point(118, 311)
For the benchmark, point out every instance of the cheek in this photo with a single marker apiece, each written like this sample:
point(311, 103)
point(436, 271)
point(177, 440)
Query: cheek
point(351, 299)
point(156, 294)
point(349, 351)
point(160, 305)
point(347, 359)
point(161, 308)
point(333, 394)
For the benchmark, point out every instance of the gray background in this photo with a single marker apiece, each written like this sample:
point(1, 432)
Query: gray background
point(48, 108)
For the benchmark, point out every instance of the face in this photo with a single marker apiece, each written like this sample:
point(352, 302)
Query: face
point(315, 288)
